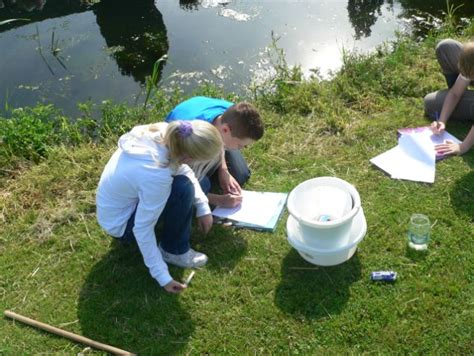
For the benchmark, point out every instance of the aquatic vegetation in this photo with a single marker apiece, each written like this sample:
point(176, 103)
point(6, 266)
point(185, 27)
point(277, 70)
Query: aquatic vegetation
point(151, 82)
point(450, 19)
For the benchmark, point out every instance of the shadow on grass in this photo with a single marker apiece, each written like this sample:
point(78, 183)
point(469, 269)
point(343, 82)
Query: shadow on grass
point(416, 256)
point(224, 246)
point(312, 291)
point(462, 195)
point(121, 305)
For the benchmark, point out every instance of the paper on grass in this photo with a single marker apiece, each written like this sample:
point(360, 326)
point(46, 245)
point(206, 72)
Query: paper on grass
point(401, 166)
point(410, 160)
point(259, 210)
point(425, 131)
point(417, 159)
point(414, 158)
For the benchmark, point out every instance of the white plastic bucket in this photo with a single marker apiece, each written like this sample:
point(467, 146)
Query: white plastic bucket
point(325, 257)
point(310, 202)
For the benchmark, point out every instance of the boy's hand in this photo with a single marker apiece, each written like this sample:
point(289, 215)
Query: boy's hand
point(174, 287)
point(228, 183)
point(437, 127)
point(205, 223)
point(230, 200)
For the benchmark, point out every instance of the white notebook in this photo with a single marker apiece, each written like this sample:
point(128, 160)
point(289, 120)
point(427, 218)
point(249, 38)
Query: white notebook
point(258, 211)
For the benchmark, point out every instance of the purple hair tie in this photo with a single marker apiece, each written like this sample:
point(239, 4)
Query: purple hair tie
point(185, 129)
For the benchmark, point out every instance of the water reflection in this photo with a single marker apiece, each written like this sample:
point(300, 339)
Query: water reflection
point(135, 34)
point(424, 15)
point(434, 7)
point(189, 5)
point(38, 10)
point(23, 5)
point(194, 4)
point(97, 50)
point(363, 14)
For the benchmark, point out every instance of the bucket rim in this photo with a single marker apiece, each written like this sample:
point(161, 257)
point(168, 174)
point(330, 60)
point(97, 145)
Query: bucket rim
point(328, 224)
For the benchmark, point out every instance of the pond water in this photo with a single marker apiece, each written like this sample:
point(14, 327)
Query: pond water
point(78, 50)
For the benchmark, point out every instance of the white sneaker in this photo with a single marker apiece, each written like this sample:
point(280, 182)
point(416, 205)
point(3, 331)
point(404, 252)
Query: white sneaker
point(190, 259)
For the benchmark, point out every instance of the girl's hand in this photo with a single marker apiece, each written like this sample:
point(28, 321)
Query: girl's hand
point(174, 287)
point(437, 127)
point(205, 223)
point(448, 148)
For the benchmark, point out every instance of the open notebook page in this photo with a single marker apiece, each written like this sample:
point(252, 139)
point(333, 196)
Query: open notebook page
point(257, 208)
point(425, 131)
point(417, 159)
point(412, 159)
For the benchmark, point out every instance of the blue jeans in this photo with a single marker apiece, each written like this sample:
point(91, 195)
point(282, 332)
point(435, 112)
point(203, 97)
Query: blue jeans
point(176, 217)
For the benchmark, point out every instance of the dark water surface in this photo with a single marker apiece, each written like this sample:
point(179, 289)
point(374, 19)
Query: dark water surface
point(77, 50)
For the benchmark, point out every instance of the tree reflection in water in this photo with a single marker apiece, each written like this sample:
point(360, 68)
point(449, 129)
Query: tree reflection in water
point(135, 34)
point(363, 14)
point(189, 4)
point(136, 37)
point(23, 5)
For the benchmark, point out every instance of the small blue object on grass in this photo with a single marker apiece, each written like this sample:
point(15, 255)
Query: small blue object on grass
point(384, 276)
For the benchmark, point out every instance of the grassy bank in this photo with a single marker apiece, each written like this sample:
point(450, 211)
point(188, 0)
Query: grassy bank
point(256, 295)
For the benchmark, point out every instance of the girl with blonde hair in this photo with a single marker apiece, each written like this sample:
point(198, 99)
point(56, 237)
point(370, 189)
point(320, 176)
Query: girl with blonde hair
point(147, 179)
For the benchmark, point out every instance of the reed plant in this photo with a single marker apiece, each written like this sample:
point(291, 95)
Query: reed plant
point(151, 82)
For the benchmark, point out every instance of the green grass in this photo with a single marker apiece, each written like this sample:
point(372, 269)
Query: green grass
point(256, 295)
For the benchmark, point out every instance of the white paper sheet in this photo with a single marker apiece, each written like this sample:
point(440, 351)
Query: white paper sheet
point(416, 161)
point(425, 131)
point(257, 208)
point(414, 158)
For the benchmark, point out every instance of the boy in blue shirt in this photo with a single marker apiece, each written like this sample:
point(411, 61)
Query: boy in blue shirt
point(240, 125)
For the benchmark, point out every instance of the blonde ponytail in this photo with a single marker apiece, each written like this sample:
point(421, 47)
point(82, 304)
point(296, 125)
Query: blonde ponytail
point(196, 140)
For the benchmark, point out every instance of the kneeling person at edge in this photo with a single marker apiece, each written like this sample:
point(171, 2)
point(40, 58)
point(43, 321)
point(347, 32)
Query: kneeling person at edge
point(148, 180)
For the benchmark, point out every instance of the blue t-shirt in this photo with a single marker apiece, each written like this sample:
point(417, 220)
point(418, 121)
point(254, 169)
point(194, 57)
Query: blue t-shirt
point(199, 107)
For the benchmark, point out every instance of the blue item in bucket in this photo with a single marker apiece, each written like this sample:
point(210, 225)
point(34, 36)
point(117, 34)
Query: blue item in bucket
point(324, 218)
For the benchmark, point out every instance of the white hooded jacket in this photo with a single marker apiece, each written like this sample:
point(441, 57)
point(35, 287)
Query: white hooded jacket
point(138, 176)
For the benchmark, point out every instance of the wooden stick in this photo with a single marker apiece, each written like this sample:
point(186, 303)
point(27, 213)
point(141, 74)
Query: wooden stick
point(66, 334)
point(188, 280)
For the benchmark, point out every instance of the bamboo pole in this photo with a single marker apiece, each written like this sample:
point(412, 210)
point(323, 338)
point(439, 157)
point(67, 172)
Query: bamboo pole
point(66, 334)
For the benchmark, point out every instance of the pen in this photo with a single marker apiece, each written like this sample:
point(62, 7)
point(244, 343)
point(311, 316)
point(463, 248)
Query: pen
point(437, 119)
